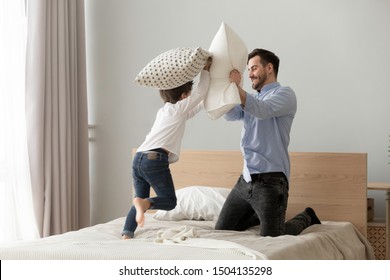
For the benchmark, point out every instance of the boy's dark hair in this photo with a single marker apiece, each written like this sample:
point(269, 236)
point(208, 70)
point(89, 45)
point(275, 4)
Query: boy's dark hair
point(173, 95)
point(266, 57)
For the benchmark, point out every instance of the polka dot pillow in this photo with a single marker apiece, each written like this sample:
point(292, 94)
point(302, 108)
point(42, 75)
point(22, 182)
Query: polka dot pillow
point(173, 68)
point(229, 52)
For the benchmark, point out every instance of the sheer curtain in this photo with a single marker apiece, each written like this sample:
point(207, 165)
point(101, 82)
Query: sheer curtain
point(17, 220)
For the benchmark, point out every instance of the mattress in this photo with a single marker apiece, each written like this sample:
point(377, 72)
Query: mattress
point(193, 240)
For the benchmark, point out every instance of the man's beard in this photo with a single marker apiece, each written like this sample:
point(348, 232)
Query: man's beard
point(259, 82)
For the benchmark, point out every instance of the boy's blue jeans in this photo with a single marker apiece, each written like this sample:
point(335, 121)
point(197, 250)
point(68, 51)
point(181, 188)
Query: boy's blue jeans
point(262, 201)
point(151, 169)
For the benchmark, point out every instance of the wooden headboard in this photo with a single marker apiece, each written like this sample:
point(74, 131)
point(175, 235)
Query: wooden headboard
point(333, 184)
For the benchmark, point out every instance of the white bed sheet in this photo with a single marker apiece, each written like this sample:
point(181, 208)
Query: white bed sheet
point(331, 240)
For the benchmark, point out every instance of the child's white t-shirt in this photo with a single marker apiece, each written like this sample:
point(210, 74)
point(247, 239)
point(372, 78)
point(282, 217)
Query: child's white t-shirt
point(168, 128)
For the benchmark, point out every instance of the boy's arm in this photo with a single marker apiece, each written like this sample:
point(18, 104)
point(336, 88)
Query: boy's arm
point(189, 104)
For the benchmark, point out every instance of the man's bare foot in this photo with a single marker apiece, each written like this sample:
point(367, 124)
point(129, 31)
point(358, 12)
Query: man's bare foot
point(141, 205)
point(124, 237)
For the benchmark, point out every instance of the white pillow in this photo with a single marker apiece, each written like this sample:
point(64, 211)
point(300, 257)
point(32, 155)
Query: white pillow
point(196, 203)
point(229, 52)
point(173, 68)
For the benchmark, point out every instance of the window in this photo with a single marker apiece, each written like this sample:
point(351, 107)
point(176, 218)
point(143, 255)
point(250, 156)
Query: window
point(16, 211)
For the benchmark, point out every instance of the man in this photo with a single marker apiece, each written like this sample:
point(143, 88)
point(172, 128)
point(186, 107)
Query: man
point(260, 194)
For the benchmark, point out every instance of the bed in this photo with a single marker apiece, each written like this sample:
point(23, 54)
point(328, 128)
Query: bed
point(334, 184)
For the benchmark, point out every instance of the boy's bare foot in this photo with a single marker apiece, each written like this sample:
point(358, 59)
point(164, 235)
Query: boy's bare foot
point(124, 237)
point(141, 205)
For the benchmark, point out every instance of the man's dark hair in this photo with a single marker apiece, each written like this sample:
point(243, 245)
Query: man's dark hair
point(265, 58)
point(173, 95)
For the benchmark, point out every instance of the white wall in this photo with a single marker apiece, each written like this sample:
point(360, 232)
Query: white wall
point(334, 54)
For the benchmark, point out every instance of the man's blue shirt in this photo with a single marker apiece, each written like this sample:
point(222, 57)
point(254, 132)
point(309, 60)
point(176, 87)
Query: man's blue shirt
point(268, 116)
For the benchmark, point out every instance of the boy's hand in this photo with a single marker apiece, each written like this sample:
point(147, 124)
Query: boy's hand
point(208, 64)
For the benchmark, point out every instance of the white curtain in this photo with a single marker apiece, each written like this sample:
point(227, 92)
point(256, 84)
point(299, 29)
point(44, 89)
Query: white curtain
point(57, 117)
point(17, 220)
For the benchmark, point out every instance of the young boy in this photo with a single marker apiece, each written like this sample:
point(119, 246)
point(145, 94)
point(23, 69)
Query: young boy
point(161, 148)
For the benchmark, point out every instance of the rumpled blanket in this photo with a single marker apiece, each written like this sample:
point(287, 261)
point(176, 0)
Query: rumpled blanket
point(176, 235)
point(187, 236)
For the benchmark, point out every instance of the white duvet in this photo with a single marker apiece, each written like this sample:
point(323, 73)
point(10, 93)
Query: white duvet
point(185, 240)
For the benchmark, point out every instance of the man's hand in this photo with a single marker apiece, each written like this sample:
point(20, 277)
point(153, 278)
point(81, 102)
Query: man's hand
point(235, 77)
